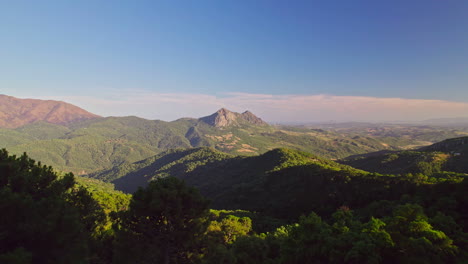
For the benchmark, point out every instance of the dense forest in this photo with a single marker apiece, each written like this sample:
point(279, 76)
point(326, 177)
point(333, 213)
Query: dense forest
point(92, 145)
point(50, 217)
point(234, 132)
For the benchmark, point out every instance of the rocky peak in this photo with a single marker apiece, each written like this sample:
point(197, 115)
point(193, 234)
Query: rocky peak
point(251, 118)
point(223, 118)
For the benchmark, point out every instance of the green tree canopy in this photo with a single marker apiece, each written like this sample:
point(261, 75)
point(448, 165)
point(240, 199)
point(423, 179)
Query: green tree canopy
point(163, 224)
point(39, 222)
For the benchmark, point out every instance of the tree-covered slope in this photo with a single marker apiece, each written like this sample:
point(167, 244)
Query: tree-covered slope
point(92, 145)
point(51, 218)
point(282, 182)
point(359, 217)
point(448, 155)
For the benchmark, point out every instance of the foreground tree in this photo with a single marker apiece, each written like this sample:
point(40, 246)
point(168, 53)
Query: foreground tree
point(416, 240)
point(38, 221)
point(163, 224)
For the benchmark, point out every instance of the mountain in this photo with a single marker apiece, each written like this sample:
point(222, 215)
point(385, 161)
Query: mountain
point(15, 112)
point(234, 182)
point(101, 143)
point(282, 183)
point(224, 118)
point(84, 143)
point(453, 145)
point(448, 155)
point(457, 121)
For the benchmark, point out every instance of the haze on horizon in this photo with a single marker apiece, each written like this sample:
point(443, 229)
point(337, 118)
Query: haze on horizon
point(295, 61)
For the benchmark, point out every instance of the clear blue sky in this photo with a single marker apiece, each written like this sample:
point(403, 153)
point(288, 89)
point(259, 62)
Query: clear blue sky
point(414, 49)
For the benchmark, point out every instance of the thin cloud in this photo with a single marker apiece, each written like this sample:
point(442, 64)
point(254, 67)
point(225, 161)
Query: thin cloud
point(273, 108)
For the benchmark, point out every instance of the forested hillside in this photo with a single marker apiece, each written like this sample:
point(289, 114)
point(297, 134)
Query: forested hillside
point(309, 210)
point(447, 156)
point(271, 182)
point(224, 189)
point(97, 144)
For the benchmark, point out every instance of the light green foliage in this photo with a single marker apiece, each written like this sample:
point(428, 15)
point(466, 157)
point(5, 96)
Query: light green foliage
point(93, 145)
point(416, 239)
point(448, 156)
point(230, 228)
point(104, 193)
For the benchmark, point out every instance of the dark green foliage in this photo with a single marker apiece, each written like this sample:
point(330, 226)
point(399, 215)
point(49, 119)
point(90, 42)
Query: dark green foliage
point(416, 240)
point(343, 215)
point(270, 183)
point(449, 155)
point(163, 224)
point(286, 183)
point(128, 177)
point(403, 237)
point(40, 220)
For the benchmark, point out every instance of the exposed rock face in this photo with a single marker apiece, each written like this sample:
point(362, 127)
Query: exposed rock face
point(15, 112)
point(253, 119)
point(224, 118)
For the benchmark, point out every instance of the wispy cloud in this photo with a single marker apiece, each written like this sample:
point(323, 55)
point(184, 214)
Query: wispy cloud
point(273, 108)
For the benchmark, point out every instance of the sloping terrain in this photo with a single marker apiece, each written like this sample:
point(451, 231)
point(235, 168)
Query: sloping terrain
point(16, 112)
point(448, 155)
point(282, 183)
point(91, 145)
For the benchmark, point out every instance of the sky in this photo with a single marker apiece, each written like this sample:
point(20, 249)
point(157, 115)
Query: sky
point(286, 61)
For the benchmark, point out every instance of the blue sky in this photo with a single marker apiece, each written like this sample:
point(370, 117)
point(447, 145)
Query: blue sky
point(116, 53)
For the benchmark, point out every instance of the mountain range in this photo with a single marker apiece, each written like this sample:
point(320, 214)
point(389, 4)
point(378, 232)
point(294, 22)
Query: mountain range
point(71, 139)
point(270, 183)
point(260, 178)
point(15, 112)
point(448, 155)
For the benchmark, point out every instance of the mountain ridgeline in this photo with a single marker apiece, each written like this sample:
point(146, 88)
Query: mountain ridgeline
point(450, 155)
point(370, 218)
point(271, 201)
point(283, 184)
point(16, 112)
point(268, 183)
point(86, 144)
point(224, 118)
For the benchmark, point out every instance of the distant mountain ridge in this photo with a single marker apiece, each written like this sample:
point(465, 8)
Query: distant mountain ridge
point(224, 117)
point(15, 112)
point(447, 121)
point(81, 142)
point(453, 145)
point(447, 155)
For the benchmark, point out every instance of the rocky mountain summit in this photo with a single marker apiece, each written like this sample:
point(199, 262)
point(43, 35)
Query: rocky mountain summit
point(15, 112)
point(223, 118)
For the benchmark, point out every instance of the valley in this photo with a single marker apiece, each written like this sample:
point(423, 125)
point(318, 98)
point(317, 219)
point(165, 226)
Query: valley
point(100, 143)
point(236, 183)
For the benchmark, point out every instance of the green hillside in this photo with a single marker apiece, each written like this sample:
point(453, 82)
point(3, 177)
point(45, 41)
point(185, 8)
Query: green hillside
point(302, 208)
point(93, 145)
point(450, 155)
point(109, 199)
point(282, 182)
point(419, 134)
